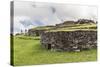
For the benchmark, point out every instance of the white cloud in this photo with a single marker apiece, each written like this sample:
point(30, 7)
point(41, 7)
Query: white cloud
point(30, 14)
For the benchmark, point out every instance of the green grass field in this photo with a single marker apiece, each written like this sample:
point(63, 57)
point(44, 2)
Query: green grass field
point(28, 51)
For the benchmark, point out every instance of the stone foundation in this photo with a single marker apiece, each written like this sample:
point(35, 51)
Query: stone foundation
point(69, 41)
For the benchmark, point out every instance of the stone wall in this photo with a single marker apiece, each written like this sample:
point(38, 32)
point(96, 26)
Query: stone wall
point(69, 41)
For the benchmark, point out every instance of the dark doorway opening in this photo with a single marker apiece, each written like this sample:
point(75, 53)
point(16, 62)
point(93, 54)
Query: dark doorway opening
point(49, 46)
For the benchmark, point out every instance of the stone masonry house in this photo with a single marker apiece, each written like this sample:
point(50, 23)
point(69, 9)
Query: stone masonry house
point(68, 36)
point(69, 41)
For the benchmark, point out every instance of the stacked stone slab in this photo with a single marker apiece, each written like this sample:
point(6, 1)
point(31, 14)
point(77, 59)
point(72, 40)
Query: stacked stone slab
point(69, 41)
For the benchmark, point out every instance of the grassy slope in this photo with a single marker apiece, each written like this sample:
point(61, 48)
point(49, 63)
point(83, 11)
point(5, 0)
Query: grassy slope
point(27, 50)
point(69, 27)
point(43, 27)
point(74, 27)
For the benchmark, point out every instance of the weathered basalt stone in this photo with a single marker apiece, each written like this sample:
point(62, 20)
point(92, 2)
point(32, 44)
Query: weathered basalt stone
point(69, 41)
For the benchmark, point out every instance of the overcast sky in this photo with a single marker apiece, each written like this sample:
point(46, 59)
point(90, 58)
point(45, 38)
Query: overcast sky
point(32, 14)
